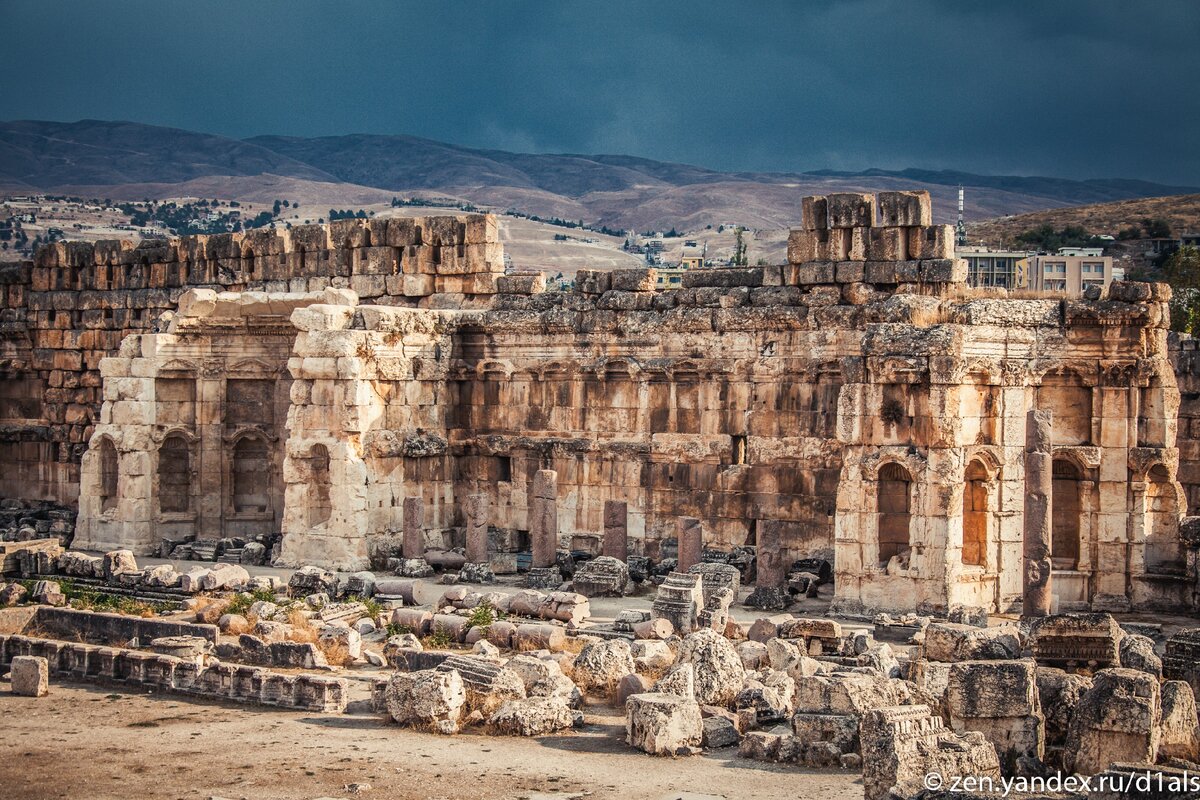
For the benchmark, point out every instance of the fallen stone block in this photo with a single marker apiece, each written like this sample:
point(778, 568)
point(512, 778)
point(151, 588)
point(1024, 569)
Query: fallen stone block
point(718, 667)
point(534, 716)
point(1000, 700)
point(601, 665)
point(1117, 721)
point(901, 745)
point(719, 732)
point(663, 724)
point(30, 676)
point(1070, 641)
point(953, 642)
point(1180, 726)
point(429, 699)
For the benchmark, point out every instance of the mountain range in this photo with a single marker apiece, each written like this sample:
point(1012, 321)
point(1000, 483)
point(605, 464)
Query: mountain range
point(129, 160)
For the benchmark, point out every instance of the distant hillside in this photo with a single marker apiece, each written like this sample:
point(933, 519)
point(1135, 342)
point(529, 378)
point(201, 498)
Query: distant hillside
point(49, 154)
point(1182, 212)
point(129, 160)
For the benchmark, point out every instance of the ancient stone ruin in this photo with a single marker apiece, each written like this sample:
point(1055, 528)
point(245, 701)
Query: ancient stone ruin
point(859, 404)
point(504, 507)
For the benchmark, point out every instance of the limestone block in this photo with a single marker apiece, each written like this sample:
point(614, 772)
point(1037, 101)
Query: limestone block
point(944, 270)
point(521, 284)
point(222, 576)
point(663, 724)
point(1117, 720)
point(901, 745)
point(374, 261)
point(1000, 700)
point(428, 698)
point(953, 642)
point(807, 245)
point(934, 241)
point(1137, 652)
point(1180, 729)
point(907, 209)
point(887, 244)
point(650, 655)
point(811, 272)
point(599, 666)
point(590, 281)
point(633, 280)
point(321, 317)
point(30, 676)
point(814, 213)
point(851, 210)
point(534, 716)
point(680, 680)
point(718, 667)
point(846, 693)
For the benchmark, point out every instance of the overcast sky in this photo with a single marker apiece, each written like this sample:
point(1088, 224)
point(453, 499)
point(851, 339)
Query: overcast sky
point(1072, 88)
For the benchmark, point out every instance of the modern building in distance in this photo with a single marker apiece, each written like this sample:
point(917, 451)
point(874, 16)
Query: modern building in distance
point(1005, 268)
point(1070, 273)
point(671, 277)
point(1067, 272)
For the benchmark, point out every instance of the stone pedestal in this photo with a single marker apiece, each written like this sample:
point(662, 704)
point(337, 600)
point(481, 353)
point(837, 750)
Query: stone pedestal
point(543, 518)
point(30, 676)
point(679, 601)
point(616, 530)
point(690, 534)
point(414, 528)
point(1038, 514)
point(476, 509)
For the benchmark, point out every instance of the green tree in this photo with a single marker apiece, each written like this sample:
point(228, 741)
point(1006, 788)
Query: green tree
point(1182, 271)
point(1157, 228)
point(739, 248)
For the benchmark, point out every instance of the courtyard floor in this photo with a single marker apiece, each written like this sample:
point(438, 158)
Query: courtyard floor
point(95, 742)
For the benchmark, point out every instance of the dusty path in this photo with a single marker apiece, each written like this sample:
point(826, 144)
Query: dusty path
point(93, 742)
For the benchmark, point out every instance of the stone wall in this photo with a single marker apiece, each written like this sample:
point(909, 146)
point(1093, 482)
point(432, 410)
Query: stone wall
point(860, 400)
point(144, 671)
point(77, 301)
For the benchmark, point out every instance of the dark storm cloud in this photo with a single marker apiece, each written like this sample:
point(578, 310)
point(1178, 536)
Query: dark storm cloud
point(1083, 88)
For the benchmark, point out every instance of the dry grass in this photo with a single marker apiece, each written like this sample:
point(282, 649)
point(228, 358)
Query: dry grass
point(212, 609)
point(303, 631)
point(336, 653)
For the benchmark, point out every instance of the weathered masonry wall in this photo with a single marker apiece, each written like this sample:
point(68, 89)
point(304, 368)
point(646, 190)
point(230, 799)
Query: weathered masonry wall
point(76, 302)
point(860, 401)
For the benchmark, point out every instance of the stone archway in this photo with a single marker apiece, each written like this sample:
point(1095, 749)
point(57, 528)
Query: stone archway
point(174, 475)
point(1164, 553)
point(108, 474)
point(251, 476)
point(975, 516)
point(894, 506)
point(1064, 542)
point(319, 506)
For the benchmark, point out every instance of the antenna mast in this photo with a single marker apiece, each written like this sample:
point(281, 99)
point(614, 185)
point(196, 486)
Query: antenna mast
point(960, 230)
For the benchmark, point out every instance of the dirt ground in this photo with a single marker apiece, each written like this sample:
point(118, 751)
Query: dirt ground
point(95, 742)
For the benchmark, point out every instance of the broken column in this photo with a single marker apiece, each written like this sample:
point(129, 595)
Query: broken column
point(616, 530)
point(680, 600)
point(1038, 514)
point(476, 509)
point(690, 535)
point(543, 530)
point(770, 590)
point(414, 524)
point(477, 568)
